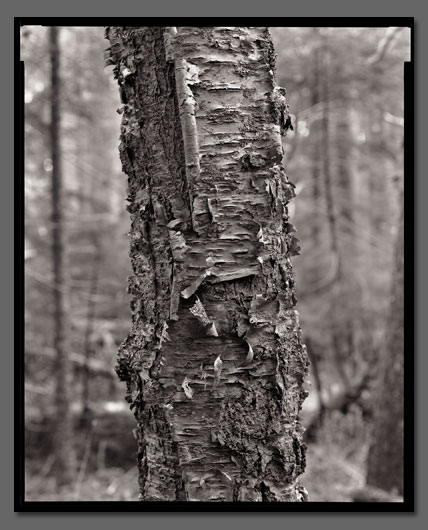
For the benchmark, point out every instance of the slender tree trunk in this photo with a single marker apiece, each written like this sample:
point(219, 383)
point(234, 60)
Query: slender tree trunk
point(63, 425)
point(385, 459)
point(334, 271)
point(330, 206)
point(214, 363)
point(344, 175)
point(316, 134)
point(88, 349)
point(346, 215)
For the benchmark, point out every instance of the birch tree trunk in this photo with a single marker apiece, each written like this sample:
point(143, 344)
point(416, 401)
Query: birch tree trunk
point(214, 363)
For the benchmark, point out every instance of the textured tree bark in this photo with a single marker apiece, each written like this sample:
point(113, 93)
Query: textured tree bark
point(64, 461)
point(385, 458)
point(214, 363)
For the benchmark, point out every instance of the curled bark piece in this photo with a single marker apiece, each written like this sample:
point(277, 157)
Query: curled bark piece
point(218, 366)
point(187, 104)
point(187, 390)
point(199, 312)
point(250, 355)
point(164, 336)
point(193, 287)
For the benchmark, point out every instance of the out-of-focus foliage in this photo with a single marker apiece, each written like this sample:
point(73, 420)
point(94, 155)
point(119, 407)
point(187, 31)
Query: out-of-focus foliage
point(345, 88)
point(96, 224)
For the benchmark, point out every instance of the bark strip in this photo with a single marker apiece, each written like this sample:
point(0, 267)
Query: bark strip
point(187, 103)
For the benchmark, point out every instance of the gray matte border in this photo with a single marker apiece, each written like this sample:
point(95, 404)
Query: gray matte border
point(185, 9)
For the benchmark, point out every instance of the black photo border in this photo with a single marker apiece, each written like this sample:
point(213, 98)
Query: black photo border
point(21, 505)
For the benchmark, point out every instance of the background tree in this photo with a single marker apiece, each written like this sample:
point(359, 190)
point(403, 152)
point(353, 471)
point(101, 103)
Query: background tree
point(214, 364)
point(96, 267)
point(64, 461)
point(386, 454)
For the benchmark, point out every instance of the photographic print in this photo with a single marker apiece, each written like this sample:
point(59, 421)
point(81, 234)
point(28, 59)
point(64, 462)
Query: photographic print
point(216, 221)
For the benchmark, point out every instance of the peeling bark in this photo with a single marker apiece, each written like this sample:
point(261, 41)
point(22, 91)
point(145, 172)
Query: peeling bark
point(214, 362)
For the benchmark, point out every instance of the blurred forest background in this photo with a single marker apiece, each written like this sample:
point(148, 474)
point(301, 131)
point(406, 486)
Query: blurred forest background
point(345, 156)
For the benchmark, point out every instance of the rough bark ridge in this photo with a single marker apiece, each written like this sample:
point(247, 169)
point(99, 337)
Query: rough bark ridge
point(214, 363)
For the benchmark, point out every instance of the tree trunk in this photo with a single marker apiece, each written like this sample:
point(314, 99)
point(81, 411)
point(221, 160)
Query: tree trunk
point(316, 135)
point(385, 459)
point(214, 363)
point(63, 425)
point(326, 150)
point(88, 343)
point(344, 172)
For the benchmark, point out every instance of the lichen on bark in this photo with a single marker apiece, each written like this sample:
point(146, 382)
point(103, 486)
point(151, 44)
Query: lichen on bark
point(214, 363)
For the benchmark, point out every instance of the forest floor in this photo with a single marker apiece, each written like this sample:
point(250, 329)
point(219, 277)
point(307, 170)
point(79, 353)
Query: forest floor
point(109, 484)
point(330, 477)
